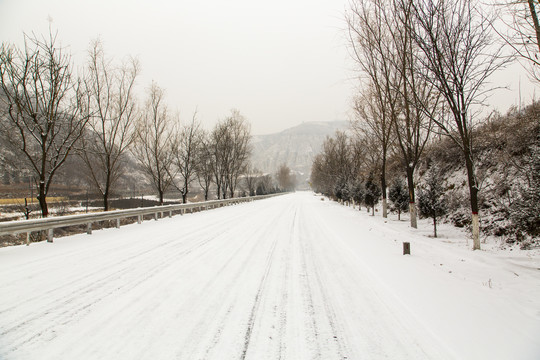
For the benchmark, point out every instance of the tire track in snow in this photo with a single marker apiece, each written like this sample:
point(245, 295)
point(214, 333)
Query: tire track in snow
point(217, 227)
point(285, 286)
point(221, 292)
point(256, 303)
point(318, 261)
point(78, 304)
point(307, 294)
point(47, 321)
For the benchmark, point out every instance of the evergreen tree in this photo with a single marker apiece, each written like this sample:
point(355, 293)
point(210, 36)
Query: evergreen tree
point(399, 196)
point(338, 188)
point(358, 193)
point(372, 194)
point(431, 199)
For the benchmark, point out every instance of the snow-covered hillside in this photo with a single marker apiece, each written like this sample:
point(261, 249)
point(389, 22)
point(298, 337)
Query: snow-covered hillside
point(295, 147)
point(292, 277)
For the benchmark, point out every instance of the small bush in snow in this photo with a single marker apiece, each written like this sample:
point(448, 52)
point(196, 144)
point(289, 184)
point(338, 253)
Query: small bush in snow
point(358, 192)
point(431, 200)
point(372, 193)
point(399, 197)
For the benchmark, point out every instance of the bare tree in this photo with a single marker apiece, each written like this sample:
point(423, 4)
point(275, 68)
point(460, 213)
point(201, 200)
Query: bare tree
point(418, 98)
point(230, 150)
point(111, 101)
point(458, 52)
point(155, 140)
point(45, 112)
point(240, 131)
point(204, 166)
point(265, 185)
point(372, 120)
point(251, 175)
point(523, 32)
point(372, 49)
point(285, 178)
point(220, 150)
point(334, 168)
point(185, 151)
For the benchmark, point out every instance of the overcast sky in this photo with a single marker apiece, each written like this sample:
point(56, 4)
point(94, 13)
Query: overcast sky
point(280, 63)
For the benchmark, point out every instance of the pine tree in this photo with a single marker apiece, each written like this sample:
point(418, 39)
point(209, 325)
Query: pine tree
point(372, 194)
point(399, 196)
point(431, 199)
point(358, 193)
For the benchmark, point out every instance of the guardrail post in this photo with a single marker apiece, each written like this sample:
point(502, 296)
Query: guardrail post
point(156, 216)
point(170, 213)
point(50, 235)
point(118, 223)
point(139, 219)
point(28, 239)
point(89, 228)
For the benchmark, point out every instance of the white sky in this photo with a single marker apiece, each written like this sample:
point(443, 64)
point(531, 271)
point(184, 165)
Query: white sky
point(280, 63)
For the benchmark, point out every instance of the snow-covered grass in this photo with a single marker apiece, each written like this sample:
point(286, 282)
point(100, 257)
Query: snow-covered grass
point(291, 277)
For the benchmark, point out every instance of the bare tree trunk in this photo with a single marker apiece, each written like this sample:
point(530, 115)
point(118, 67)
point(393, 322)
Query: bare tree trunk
point(383, 187)
point(106, 200)
point(106, 192)
point(536, 23)
point(42, 199)
point(412, 201)
point(473, 195)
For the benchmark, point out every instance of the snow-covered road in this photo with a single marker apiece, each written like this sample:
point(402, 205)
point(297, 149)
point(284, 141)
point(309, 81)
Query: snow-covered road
point(291, 277)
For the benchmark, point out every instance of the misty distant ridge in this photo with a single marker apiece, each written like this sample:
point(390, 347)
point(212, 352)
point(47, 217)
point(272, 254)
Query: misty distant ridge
point(313, 128)
point(296, 146)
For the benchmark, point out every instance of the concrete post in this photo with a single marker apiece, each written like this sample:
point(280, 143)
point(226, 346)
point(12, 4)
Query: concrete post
point(406, 248)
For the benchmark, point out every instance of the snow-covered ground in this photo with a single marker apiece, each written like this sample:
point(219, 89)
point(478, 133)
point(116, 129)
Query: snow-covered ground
point(291, 277)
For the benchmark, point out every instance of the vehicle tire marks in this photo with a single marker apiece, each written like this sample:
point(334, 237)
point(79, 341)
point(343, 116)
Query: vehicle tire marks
point(258, 297)
point(221, 294)
point(141, 267)
point(318, 257)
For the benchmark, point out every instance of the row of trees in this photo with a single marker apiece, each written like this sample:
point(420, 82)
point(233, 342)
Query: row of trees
point(345, 171)
point(424, 67)
point(50, 113)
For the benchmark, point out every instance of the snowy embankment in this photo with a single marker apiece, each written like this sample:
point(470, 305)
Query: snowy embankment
point(291, 277)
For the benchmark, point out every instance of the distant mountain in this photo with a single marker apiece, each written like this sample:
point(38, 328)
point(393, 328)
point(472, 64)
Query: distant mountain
point(296, 147)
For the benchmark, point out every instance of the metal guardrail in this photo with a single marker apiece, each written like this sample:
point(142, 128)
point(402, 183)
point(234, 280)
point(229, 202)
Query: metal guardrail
point(50, 223)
